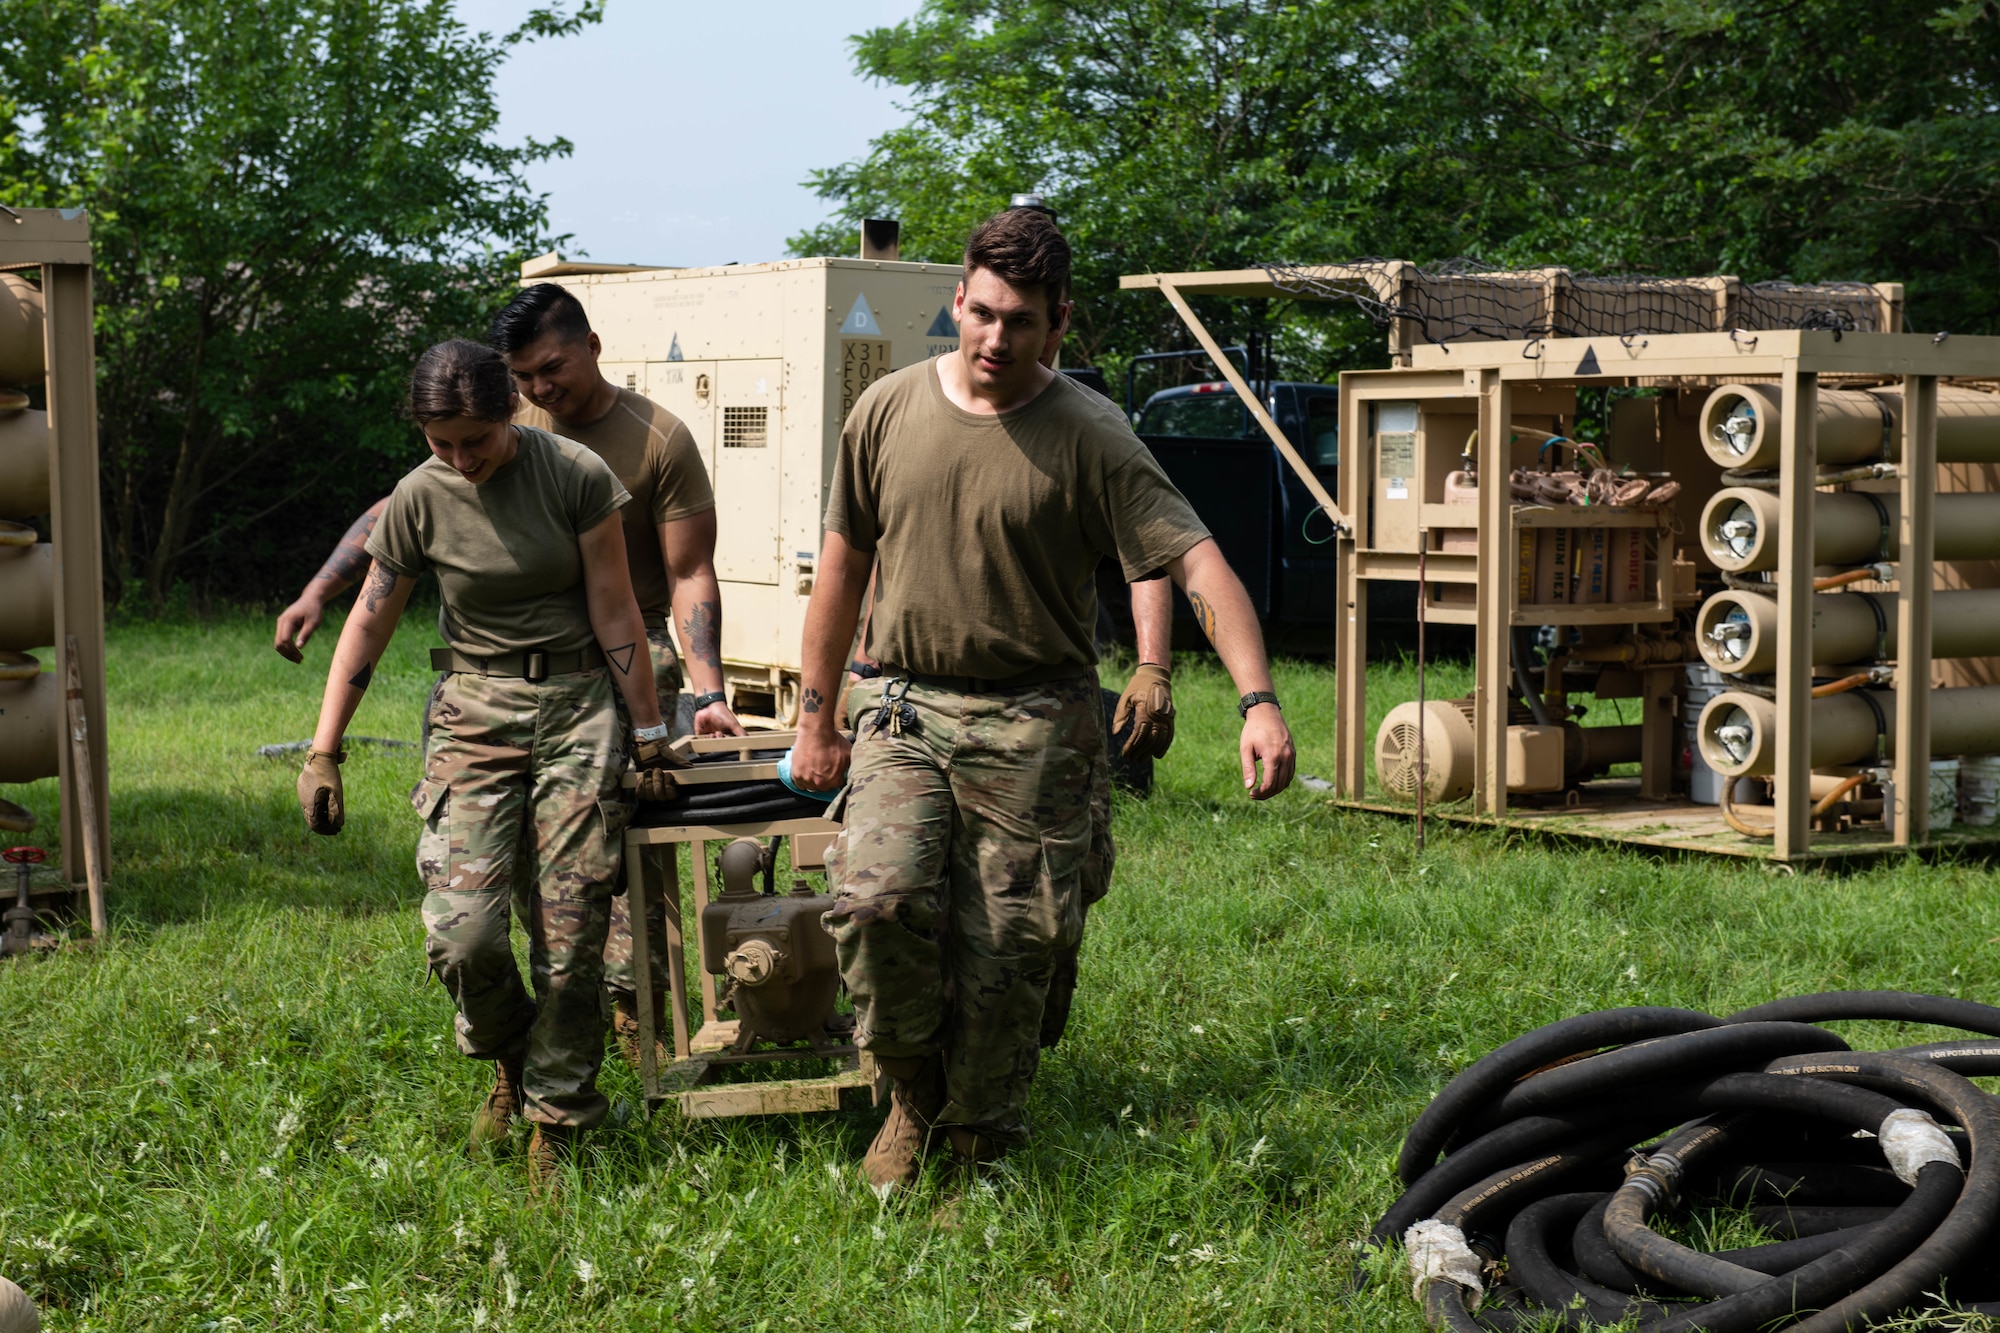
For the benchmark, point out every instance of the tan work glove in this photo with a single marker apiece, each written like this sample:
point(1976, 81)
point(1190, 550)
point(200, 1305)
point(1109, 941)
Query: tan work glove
point(1148, 703)
point(655, 761)
point(319, 792)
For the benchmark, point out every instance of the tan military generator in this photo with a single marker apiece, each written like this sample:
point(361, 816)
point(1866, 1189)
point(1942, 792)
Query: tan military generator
point(763, 363)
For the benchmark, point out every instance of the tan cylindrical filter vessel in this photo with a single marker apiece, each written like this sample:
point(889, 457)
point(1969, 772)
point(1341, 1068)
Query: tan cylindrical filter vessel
point(24, 464)
point(28, 596)
point(1738, 732)
point(1738, 631)
point(1739, 528)
point(31, 729)
point(23, 354)
point(1739, 426)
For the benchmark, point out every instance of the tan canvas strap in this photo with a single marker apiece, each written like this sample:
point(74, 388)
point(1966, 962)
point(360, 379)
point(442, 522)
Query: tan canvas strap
point(533, 665)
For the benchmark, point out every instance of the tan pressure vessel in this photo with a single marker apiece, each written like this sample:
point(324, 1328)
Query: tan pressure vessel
point(23, 355)
point(27, 596)
point(30, 728)
point(1738, 631)
point(1738, 731)
point(1739, 426)
point(24, 464)
point(1739, 528)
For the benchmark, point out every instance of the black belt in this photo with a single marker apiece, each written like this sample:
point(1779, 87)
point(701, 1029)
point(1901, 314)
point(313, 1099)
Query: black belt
point(1041, 675)
point(536, 664)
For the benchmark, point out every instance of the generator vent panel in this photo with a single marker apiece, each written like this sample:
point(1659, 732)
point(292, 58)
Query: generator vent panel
point(743, 427)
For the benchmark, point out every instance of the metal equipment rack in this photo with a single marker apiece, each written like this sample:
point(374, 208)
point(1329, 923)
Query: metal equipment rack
point(1489, 382)
point(57, 243)
point(699, 1055)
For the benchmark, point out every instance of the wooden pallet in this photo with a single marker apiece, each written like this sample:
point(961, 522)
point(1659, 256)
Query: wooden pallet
point(1613, 811)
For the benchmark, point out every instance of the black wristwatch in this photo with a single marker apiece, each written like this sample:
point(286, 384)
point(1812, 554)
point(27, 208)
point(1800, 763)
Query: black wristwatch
point(702, 701)
point(864, 670)
point(1251, 700)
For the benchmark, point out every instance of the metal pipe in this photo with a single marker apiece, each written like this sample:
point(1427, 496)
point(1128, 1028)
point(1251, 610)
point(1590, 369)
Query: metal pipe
point(1740, 425)
point(1737, 632)
point(23, 351)
point(31, 728)
point(27, 596)
point(1739, 528)
point(1738, 731)
point(24, 463)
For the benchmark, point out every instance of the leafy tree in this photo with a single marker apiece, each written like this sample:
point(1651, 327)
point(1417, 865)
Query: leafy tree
point(1810, 139)
point(289, 199)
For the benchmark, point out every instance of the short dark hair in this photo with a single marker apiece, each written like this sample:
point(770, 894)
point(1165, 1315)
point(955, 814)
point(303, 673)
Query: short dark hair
point(1022, 247)
point(538, 311)
point(460, 378)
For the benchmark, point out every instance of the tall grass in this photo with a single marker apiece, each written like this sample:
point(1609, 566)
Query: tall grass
point(246, 1111)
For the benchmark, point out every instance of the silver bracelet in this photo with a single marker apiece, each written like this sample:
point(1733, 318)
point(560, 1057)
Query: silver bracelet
point(654, 733)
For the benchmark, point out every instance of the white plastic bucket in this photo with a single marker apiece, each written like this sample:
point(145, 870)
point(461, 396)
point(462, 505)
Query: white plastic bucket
point(1979, 790)
point(1944, 794)
point(1702, 684)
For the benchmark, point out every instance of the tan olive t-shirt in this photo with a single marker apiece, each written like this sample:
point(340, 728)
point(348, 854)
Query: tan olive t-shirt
point(505, 551)
point(988, 529)
point(657, 460)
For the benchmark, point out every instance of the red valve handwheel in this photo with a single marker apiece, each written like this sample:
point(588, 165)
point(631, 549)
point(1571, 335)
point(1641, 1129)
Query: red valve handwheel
point(24, 855)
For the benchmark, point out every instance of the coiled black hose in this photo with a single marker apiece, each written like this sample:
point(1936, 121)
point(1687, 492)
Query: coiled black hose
point(1877, 1174)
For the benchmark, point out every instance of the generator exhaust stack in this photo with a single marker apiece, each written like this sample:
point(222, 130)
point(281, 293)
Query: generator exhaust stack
point(881, 238)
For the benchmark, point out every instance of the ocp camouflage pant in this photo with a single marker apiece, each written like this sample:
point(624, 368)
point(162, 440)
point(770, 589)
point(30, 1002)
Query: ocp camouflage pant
point(520, 801)
point(618, 942)
point(960, 875)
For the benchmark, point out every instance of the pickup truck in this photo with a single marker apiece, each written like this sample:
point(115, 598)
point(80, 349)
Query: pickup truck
point(1262, 516)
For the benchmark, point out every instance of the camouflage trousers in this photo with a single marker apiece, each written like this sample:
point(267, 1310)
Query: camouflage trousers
point(960, 875)
point(521, 802)
point(618, 943)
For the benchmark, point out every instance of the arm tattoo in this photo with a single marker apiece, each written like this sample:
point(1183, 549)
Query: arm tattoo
point(811, 700)
point(703, 631)
point(621, 657)
point(1204, 614)
point(381, 582)
point(359, 680)
point(350, 558)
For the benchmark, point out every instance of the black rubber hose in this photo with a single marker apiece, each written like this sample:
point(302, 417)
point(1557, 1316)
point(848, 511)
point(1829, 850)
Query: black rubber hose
point(1974, 1059)
point(1684, 1056)
point(1813, 1285)
point(1631, 1206)
point(1799, 1223)
point(1835, 1184)
point(1595, 1258)
point(1784, 1255)
point(1525, 681)
point(1969, 1225)
point(1489, 1076)
point(1630, 1119)
point(1534, 1269)
point(1843, 1104)
point(1890, 1005)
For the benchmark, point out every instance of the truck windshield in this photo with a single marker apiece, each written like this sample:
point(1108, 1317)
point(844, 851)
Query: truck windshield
point(1211, 416)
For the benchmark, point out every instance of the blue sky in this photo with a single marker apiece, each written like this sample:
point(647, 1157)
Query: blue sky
point(693, 124)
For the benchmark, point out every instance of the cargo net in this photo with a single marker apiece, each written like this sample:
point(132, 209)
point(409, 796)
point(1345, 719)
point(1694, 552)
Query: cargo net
point(1465, 300)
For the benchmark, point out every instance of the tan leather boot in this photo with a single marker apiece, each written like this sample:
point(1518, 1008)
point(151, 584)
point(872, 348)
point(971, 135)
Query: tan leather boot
point(625, 1026)
point(502, 1106)
point(909, 1135)
point(552, 1147)
point(972, 1153)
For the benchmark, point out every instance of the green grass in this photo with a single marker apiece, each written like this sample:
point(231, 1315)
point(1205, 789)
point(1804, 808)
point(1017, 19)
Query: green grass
point(246, 1112)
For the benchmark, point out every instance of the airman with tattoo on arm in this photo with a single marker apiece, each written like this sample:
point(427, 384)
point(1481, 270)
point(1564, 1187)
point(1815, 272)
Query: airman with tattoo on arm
point(545, 336)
